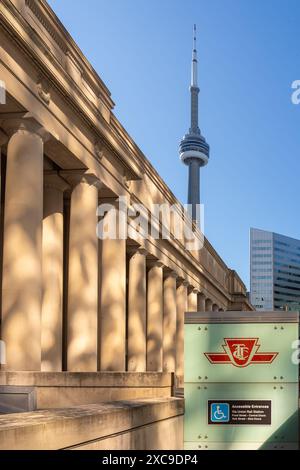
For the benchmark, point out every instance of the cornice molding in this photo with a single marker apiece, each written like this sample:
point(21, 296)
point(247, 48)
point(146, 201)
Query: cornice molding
point(35, 8)
point(67, 45)
point(95, 120)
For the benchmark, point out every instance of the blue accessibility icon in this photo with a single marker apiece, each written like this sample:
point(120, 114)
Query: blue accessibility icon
point(219, 412)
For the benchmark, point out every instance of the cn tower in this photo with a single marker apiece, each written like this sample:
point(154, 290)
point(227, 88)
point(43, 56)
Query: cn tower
point(193, 149)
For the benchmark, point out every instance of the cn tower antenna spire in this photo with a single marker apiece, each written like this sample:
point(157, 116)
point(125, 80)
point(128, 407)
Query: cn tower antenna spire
point(193, 149)
point(194, 60)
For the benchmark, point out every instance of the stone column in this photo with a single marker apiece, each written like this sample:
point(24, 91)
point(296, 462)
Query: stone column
point(54, 186)
point(192, 300)
point(155, 317)
point(113, 298)
point(22, 250)
point(208, 305)
point(215, 308)
point(169, 322)
point(181, 302)
point(3, 140)
point(201, 302)
point(82, 315)
point(136, 346)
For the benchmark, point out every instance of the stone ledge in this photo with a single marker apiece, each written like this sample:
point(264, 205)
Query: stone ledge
point(87, 379)
point(67, 389)
point(69, 427)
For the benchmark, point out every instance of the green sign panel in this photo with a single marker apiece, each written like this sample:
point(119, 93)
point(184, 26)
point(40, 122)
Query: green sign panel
point(241, 380)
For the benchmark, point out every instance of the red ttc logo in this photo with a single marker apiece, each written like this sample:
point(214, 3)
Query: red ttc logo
point(241, 352)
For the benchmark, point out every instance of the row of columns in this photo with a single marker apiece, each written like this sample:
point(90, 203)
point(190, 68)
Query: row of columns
point(100, 310)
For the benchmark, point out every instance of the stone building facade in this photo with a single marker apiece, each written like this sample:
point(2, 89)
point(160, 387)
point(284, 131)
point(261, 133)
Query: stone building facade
point(111, 309)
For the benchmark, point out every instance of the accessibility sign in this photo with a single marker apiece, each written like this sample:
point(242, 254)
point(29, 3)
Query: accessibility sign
point(218, 412)
point(255, 412)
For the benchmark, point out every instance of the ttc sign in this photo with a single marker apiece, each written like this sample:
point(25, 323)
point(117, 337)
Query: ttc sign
point(240, 382)
point(241, 352)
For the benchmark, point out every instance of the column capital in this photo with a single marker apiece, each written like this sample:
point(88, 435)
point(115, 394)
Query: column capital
point(182, 282)
point(133, 250)
point(170, 273)
point(75, 177)
point(25, 124)
point(155, 263)
point(53, 180)
point(193, 289)
point(203, 296)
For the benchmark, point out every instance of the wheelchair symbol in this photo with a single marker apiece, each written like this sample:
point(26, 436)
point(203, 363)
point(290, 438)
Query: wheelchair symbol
point(219, 412)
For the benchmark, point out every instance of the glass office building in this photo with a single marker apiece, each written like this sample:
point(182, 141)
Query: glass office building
point(274, 271)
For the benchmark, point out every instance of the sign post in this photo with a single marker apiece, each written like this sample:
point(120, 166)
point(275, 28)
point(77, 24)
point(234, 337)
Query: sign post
point(241, 380)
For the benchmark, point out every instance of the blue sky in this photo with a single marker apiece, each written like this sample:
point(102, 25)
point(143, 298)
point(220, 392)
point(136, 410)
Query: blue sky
point(248, 57)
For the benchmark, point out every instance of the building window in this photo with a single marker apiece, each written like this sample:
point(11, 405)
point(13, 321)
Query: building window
point(261, 248)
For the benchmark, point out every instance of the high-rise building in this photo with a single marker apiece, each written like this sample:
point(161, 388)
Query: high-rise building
point(193, 149)
point(274, 271)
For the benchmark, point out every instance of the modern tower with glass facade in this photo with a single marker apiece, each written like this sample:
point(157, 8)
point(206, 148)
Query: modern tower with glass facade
point(274, 271)
point(193, 149)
